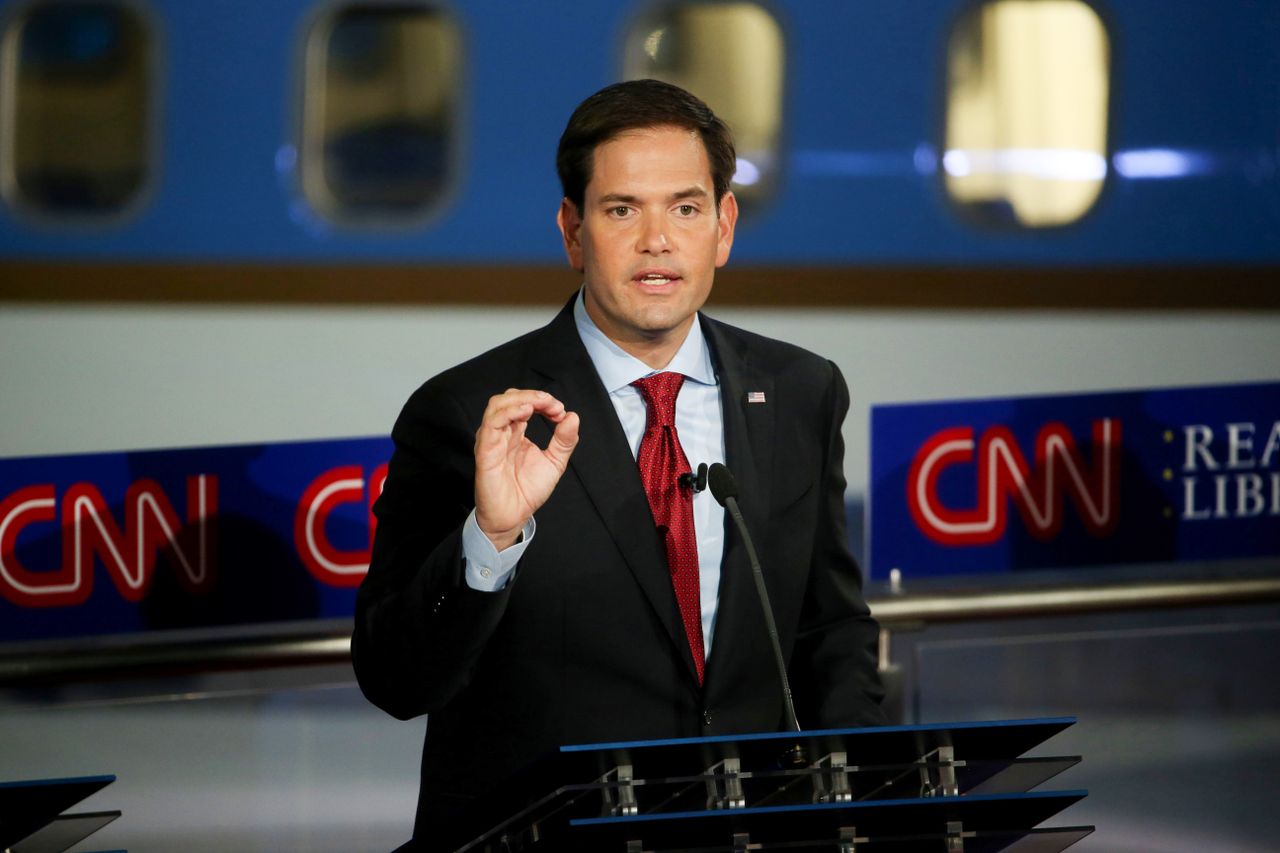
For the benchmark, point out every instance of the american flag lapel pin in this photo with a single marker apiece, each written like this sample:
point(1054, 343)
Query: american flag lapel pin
point(755, 396)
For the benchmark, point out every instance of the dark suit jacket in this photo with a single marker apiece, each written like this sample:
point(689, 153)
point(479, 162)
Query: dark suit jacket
point(585, 643)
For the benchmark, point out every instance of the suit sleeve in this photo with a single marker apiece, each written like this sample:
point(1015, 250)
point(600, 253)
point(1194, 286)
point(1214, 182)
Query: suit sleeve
point(419, 629)
point(835, 656)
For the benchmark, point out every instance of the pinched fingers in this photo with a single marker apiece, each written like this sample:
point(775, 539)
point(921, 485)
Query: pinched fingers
point(502, 426)
point(513, 476)
point(517, 404)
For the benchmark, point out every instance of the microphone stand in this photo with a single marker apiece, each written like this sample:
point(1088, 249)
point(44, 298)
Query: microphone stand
point(725, 490)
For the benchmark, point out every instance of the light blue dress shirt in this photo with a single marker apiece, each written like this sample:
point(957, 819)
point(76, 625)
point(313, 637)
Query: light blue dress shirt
point(700, 426)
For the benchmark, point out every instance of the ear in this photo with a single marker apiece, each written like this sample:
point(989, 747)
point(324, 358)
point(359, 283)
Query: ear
point(728, 220)
point(570, 222)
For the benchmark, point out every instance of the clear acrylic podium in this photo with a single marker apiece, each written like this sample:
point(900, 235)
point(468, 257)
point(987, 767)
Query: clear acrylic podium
point(33, 816)
point(954, 788)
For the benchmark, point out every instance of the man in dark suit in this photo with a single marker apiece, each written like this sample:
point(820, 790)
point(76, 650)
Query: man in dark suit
point(521, 593)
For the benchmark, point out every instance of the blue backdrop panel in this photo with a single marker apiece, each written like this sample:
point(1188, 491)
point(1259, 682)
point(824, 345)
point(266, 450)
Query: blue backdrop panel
point(1191, 168)
point(137, 541)
point(1001, 485)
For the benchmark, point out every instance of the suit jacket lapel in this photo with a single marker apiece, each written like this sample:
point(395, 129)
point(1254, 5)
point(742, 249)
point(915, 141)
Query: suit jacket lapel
point(603, 464)
point(748, 426)
point(748, 441)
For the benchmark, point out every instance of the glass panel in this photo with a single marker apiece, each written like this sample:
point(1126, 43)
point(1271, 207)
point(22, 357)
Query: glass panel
point(75, 106)
point(379, 111)
point(1027, 111)
point(732, 56)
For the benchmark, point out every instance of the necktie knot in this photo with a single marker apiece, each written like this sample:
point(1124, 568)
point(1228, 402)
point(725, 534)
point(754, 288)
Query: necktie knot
point(659, 392)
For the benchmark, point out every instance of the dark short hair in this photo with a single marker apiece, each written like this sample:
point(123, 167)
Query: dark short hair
point(632, 105)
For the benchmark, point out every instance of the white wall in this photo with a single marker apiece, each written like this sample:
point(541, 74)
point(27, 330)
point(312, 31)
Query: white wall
point(93, 378)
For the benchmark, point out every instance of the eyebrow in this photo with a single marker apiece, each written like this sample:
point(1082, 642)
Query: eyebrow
point(623, 198)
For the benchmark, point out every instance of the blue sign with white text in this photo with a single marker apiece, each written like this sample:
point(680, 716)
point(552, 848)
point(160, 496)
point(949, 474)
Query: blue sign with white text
point(963, 487)
point(135, 541)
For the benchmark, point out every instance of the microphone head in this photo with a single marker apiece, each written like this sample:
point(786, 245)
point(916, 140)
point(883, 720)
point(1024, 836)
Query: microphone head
point(721, 483)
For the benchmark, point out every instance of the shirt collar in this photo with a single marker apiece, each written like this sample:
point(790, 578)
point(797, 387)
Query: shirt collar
point(618, 369)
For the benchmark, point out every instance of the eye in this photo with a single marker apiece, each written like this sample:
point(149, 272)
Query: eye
point(686, 210)
point(619, 212)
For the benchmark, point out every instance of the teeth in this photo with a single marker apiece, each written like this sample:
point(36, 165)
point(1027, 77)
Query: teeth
point(655, 279)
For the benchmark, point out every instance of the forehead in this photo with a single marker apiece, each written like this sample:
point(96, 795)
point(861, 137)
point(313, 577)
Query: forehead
point(650, 156)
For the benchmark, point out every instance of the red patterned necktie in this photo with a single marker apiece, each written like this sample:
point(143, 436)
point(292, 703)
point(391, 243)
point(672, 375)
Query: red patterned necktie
point(661, 462)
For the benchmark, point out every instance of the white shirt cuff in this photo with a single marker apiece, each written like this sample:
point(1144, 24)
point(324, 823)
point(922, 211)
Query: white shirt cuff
point(487, 568)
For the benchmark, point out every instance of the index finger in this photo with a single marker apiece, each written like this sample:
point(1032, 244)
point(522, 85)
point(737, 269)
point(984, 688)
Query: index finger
point(541, 402)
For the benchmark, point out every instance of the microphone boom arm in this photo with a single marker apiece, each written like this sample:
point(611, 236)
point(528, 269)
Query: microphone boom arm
point(731, 504)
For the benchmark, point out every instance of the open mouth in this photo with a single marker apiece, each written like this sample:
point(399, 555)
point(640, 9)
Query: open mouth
point(656, 279)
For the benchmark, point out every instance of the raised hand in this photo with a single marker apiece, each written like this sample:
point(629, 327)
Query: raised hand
point(513, 475)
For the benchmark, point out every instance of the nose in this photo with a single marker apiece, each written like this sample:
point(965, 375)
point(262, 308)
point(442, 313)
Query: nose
point(653, 237)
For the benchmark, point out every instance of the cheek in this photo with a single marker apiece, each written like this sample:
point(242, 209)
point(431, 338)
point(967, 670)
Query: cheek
point(588, 254)
point(606, 256)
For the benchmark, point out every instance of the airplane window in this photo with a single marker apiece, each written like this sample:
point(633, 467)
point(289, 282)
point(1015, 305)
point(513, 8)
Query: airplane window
point(379, 110)
point(732, 56)
point(1027, 90)
point(75, 109)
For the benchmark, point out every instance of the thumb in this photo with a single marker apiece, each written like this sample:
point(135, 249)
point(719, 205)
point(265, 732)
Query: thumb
point(563, 440)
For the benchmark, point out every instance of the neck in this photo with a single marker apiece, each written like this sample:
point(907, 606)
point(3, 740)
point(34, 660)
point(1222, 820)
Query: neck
point(655, 349)
point(656, 353)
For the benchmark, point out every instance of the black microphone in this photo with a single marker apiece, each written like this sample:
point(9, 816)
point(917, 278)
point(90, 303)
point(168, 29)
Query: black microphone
point(694, 482)
point(725, 490)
